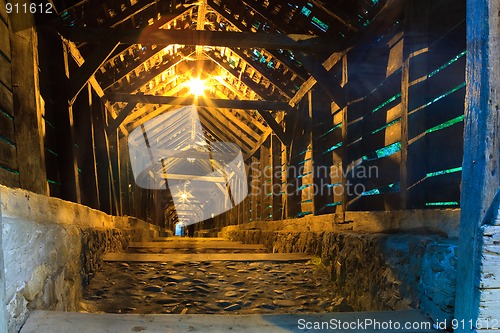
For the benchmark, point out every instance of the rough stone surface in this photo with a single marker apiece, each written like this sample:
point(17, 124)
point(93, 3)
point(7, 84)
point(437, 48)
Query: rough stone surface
point(374, 271)
point(212, 287)
point(52, 248)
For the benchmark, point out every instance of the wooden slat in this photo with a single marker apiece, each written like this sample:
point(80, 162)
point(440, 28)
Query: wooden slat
point(5, 40)
point(448, 185)
point(445, 109)
point(8, 155)
point(8, 178)
point(386, 201)
point(381, 139)
point(5, 72)
point(3, 11)
point(436, 86)
point(7, 127)
point(374, 121)
point(389, 87)
point(386, 167)
point(6, 100)
point(445, 148)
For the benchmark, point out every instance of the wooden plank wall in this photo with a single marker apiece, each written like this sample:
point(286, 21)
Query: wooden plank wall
point(9, 171)
point(398, 143)
point(404, 116)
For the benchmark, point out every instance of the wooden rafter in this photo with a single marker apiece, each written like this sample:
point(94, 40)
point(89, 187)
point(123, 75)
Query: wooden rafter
point(201, 101)
point(91, 65)
point(198, 37)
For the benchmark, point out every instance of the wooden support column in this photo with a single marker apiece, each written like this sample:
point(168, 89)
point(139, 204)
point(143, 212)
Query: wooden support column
point(125, 184)
point(64, 123)
point(481, 164)
point(84, 131)
point(102, 162)
point(114, 170)
point(321, 115)
point(276, 180)
point(254, 188)
point(265, 183)
point(28, 107)
point(298, 125)
point(413, 141)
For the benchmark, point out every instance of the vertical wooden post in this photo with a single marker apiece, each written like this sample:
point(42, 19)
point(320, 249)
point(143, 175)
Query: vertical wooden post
point(265, 181)
point(102, 163)
point(254, 188)
point(85, 137)
point(481, 165)
point(276, 182)
point(124, 175)
point(413, 162)
point(321, 122)
point(296, 129)
point(68, 165)
point(27, 105)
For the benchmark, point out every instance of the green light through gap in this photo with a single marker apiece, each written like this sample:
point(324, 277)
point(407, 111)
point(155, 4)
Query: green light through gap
point(460, 86)
point(338, 145)
point(387, 125)
point(446, 203)
point(384, 152)
point(446, 124)
point(444, 172)
point(447, 64)
point(392, 99)
point(331, 130)
point(9, 170)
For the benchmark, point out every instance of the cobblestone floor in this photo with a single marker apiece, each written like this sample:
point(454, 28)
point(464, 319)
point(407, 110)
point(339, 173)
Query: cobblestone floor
point(211, 287)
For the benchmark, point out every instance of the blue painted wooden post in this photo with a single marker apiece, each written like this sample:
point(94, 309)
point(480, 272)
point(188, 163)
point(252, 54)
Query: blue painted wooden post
point(481, 174)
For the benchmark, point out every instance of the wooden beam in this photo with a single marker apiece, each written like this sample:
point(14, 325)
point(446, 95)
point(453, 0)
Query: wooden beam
point(115, 123)
point(321, 75)
point(206, 102)
point(229, 126)
point(309, 84)
point(90, 66)
point(481, 164)
point(277, 129)
point(198, 37)
point(211, 179)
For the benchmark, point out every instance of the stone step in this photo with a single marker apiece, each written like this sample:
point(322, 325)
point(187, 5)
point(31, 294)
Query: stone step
point(190, 239)
point(65, 322)
point(206, 257)
point(216, 245)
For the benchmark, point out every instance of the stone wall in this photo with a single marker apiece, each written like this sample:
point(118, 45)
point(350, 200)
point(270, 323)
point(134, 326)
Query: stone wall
point(373, 271)
point(52, 248)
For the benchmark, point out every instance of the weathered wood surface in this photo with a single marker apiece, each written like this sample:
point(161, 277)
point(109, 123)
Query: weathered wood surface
point(59, 322)
point(27, 103)
point(490, 268)
point(481, 176)
point(199, 37)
